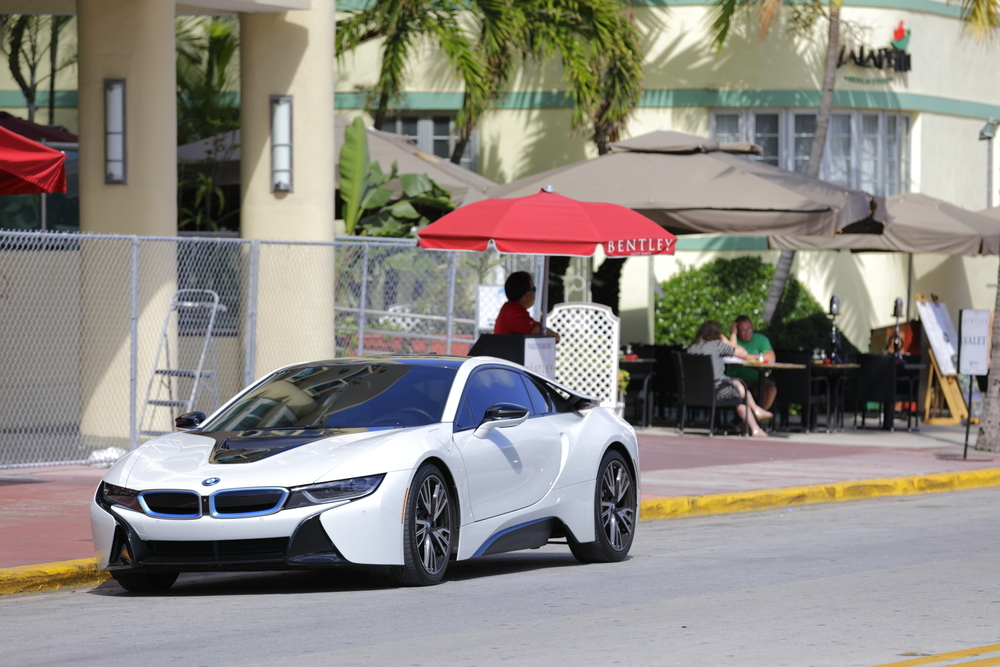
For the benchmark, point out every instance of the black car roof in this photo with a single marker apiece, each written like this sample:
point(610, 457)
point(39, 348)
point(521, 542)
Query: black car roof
point(441, 361)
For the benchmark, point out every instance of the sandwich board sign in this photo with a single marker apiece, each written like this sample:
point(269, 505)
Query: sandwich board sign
point(974, 342)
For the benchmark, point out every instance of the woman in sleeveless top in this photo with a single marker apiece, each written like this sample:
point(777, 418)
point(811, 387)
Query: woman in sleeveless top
point(710, 341)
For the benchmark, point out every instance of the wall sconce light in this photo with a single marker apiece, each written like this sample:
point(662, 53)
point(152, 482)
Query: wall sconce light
point(281, 143)
point(114, 131)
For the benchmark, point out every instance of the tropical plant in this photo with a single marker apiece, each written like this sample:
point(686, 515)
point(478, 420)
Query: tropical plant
point(368, 207)
point(596, 40)
point(22, 40)
point(804, 20)
point(207, 77)
point(207, 196)
point(726, 288)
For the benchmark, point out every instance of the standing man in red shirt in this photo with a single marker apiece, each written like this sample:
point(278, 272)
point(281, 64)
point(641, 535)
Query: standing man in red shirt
point(514, 317)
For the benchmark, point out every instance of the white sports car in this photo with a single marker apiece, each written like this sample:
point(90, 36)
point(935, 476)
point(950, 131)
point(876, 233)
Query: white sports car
point(394, 464)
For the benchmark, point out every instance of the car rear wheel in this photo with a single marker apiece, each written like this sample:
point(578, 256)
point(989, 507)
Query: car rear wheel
point(145, 582)
point(428, 529)
point(615, 505)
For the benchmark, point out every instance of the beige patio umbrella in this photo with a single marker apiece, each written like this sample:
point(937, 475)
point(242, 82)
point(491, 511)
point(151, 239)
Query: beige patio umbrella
point(384, 147)
point(920, 224)
point(688, 183)
point(993, 230)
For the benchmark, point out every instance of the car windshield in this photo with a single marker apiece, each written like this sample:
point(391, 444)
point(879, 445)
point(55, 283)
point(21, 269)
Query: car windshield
point(342, 395)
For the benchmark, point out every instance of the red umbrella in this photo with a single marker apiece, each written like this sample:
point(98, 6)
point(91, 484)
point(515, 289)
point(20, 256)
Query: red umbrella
point(548, 224)
point(28, 167)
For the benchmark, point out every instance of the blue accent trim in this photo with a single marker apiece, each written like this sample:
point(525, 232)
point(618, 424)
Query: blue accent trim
point(666, 98)
point(495, 536)
point(722, 243)
point(13, 99)
point(242, 515)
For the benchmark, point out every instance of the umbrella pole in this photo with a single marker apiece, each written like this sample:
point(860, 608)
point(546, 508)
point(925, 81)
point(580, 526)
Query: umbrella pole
point(909, 283)
point(544, 308)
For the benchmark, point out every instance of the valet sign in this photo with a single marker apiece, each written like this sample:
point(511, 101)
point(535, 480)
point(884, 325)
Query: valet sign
point(974, 342)
point(540, 355)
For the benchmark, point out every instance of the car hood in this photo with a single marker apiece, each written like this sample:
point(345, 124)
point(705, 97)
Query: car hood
point(248, 458)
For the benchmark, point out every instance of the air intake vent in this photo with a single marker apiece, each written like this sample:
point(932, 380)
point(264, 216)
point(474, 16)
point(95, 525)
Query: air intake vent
point(171, 504)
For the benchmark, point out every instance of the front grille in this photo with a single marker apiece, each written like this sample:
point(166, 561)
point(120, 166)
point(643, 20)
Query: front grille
point(246, 502)
point(171, 504)
point(219, 551)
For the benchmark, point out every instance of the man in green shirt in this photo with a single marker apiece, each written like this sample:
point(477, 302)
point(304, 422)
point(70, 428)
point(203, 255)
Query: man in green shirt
point(741, 333)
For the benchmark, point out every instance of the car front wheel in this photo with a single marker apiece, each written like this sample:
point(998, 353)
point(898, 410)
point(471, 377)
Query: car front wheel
point(615, 513)
point(428, 529)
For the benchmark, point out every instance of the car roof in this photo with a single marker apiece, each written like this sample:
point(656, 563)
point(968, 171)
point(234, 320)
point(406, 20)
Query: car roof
point(442, 361)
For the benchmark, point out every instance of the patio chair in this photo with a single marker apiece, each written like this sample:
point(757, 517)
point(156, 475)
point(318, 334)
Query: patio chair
point(696, 388)
point(800, 387)
point(880, 381)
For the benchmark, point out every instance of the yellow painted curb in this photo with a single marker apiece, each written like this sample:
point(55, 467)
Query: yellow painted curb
point(752, 501)
point(49, 576)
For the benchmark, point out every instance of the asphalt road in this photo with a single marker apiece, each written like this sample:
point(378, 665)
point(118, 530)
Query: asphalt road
point(894, 580)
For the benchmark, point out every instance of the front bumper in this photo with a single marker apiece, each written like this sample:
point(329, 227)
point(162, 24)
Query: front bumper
point(366, 531)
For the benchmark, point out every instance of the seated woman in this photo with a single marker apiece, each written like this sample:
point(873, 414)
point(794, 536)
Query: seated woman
point(711, 342)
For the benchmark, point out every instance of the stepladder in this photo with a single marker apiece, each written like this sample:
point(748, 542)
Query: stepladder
point(184, 376)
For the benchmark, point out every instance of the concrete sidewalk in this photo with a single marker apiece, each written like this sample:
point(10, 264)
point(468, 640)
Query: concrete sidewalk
point(45, 527)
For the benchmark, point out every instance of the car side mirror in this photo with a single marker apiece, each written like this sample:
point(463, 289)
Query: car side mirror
point(501, 415)
point(189, 420)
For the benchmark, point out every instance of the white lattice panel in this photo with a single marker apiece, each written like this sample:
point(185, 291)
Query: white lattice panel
point(587, 356)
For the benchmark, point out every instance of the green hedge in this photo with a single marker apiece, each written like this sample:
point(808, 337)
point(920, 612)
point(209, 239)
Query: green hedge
point(725, 288)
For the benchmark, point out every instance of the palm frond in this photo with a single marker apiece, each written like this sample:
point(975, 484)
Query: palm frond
point(982, 17)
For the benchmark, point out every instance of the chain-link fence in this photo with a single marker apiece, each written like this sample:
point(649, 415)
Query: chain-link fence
point(105, 339)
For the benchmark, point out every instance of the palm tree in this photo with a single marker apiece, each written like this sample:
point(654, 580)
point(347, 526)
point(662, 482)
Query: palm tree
point(22, 41)
point(401, 24)
point(596, 41)
point(982, 18)
point(768, 11)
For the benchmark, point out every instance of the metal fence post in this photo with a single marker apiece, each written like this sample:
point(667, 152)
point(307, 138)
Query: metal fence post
point(364, 300)
point(452, 273)
point(133, 374)
point(250, 353)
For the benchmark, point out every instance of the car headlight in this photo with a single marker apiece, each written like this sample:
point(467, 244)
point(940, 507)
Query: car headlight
point(328, 492)
point(120, 496)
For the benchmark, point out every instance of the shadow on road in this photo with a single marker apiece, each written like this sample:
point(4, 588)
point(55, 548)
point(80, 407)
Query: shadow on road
point(209, 584)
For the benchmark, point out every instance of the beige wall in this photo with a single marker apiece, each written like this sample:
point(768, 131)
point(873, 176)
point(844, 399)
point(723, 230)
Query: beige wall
point(289, 53)
point(132, 41)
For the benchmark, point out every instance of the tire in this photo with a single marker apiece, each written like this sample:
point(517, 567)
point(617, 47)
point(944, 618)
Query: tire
point(429, 529)
point(615, 513)
point(145, 582)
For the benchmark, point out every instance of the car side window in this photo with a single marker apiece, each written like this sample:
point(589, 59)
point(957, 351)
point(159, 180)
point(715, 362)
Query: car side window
point(539, 404)
point(488, 387)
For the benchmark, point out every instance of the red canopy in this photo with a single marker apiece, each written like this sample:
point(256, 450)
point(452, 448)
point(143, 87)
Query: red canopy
point(27, 167)
point(548, 224)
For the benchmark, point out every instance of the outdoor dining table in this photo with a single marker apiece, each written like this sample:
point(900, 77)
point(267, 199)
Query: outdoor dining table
point(763, 367)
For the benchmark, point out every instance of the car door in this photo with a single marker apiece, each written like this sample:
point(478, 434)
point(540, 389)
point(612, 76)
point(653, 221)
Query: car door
point(512, 467)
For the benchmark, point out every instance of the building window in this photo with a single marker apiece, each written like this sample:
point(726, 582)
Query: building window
point(867, 150)
point(434, 133)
